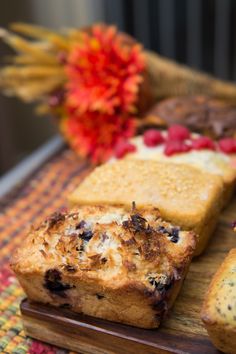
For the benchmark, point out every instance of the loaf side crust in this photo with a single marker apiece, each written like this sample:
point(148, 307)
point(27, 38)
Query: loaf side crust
point(184, 195)
point(219, 308)
point(107, 262)
point(207, 161)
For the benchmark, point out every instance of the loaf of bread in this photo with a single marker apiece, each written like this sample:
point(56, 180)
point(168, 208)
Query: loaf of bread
point(121, 265)
point(219, 309)
point(208, 161)
point(184, 195)
point(202, 114)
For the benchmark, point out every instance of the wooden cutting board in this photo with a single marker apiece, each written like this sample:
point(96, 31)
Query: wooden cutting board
point(182, 332)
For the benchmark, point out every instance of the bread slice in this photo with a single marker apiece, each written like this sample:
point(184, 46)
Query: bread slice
point(184, 195)
point(219, 309)
point(107, 262)
point(208, 161)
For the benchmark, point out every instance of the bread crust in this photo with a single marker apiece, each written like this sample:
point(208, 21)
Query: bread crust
point(184, 195)
point(107, 262)
point(207, 161)
point(219, 308)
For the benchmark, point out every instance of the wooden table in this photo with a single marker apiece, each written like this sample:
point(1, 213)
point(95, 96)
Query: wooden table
point(40, 194)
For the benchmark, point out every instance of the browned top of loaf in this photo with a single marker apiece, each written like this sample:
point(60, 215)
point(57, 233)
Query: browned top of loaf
point(184, 195)
point(109, 245)
point(200, 113)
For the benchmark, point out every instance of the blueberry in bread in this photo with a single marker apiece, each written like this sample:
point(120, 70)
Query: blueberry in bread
point(121, 265)
point(184, 195)
point(208, 161)
point(219, 309)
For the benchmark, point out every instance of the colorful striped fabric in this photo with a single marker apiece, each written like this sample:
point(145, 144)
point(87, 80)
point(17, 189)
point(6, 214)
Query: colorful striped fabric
point(39, 195)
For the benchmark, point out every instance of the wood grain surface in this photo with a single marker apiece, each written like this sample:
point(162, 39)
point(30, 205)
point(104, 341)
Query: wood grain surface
point(181, 332)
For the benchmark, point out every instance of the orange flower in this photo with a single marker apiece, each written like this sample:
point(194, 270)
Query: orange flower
point(95, 135)
point(104, 72)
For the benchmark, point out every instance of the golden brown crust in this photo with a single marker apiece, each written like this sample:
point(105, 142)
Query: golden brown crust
point(184, 195)
point(90, 257)
point(219, 309)
point(207, 161)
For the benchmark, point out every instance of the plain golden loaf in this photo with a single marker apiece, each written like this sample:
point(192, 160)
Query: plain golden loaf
point(219, 308)
point(184, 195)
point(121, 265)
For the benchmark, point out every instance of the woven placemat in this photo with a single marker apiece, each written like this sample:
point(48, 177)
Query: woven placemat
point(39, 195)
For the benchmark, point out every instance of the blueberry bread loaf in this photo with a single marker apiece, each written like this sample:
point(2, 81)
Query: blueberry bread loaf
point(219, 308)
point(184, 195)
point(208, 161)
point(107, 262)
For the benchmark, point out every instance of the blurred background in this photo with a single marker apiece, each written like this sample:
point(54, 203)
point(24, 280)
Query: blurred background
point(200, 33)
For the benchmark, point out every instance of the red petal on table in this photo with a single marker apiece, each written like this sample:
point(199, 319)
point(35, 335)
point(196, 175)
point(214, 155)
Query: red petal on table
point(153, 137)
point(176, 146)
point(228, 145)
point(178, 132)
point(203, 142)
point(123, 148)
point(41, 348)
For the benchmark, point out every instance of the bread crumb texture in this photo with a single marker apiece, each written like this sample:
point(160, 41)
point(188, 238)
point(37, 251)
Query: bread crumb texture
point(109, 262)
point(219, 308)
point(175, 183)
